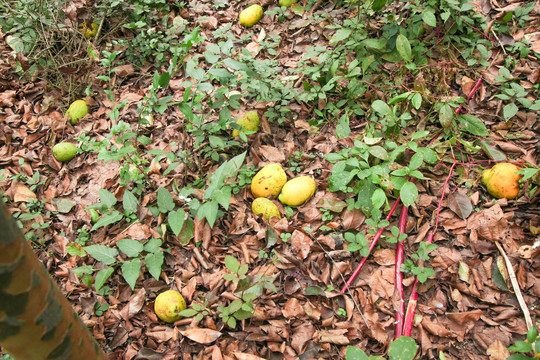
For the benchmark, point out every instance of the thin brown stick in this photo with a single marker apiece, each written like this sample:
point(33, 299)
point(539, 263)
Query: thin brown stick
point(515, 286)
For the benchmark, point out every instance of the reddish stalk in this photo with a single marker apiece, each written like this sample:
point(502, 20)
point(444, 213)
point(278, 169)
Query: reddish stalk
point(411, 307)
point(371, 246)
point(400, 314)
point(460, 109)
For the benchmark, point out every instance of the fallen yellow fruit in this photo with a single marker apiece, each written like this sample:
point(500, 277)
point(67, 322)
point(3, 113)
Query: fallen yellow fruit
point(76, 111)
point(168, 304)
point(265, 207)
point(297, 191)
point(287, 3)
point(268, 181)
point(89, 31)
point(249, 122)
point(502, 181)
point(64, 151)
point(251, 15)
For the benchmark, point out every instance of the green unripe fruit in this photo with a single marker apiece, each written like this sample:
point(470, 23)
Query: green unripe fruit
point(64, 151)
point(287, 3)
point(94, 216)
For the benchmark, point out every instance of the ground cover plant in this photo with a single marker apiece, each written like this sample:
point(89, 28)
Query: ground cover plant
point(397, 110)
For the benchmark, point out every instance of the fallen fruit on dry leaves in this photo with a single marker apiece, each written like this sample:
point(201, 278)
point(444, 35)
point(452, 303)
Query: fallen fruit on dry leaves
point(76, 111)
point(64, 151)
point(168, 305)
point(297, 191)
point(502, 180)
point(89, 31)
point(268, 181)
point(251, 15)
point(265, 207)
point(250, 121)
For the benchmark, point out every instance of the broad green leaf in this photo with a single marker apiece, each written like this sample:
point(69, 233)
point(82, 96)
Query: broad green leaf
point(404, 47)
point(378, 198)
point(314, 290)
point(176, 220)
point(154, 262)
point(428, 16)
point(102, 253)
point(472, 125)
point(521, 346)
point(130, 202)
point(416, 161)
point(81, 270)
point(232, 264)
point(102, 276)
point(342, 127)
point(408, 193)
point(403, 348)
point(446, 115)
point(152, 245)
point(235, 64)
point(164, 200)
point(379, 152)
point(365, 195)
point(509, 111)
point(114, 217)
point(340, 35)
point(354, 353)
point(131, 270)
point(491, 152)
point(75, 249)
point(93, 53)
point(223, 196)
point(188, 313)
point(378, 5)
point(107, 198)
point(208, 211)
point(130, 247)
point(164, 79)
point(416, 101)
point(187, 233)
point(381, 107)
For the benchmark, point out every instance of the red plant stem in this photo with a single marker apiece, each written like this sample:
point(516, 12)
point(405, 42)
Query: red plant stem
point(373, 243)
point(460, 110)
point(411, 307)
point(400, 314)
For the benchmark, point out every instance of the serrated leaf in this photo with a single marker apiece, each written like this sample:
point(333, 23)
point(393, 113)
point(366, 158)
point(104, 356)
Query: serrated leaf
point(408, 193)
point(129, 202)
point(164, 200)
point(154, 262)
point(176, 220)
point(130, 247)
point(131, 270)
point(404, 47)
point(102, 276)
point(102, 253)
point(232, 264)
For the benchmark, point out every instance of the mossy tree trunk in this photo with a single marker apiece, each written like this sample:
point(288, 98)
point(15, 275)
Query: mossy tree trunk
point(36, 320)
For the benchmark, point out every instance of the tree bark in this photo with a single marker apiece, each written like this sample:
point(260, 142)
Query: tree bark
point(36, 320)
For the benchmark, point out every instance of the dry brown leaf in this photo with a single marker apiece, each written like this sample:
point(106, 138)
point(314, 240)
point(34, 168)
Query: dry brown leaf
point(23, 194)
point(301, 243)
point(336, 336)
point(497, 351)
point(134, 305)
point(244, 356)
point(201, 335)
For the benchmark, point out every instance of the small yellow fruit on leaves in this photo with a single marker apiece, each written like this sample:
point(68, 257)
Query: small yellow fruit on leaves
point(297, 191)
point(89, 31)
point(265, 207)
point(268, 181)
point(502, 180)
point(251, 15)
point(168, 304)
point(64, 151)
point(250, 121)
point(76, 111)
